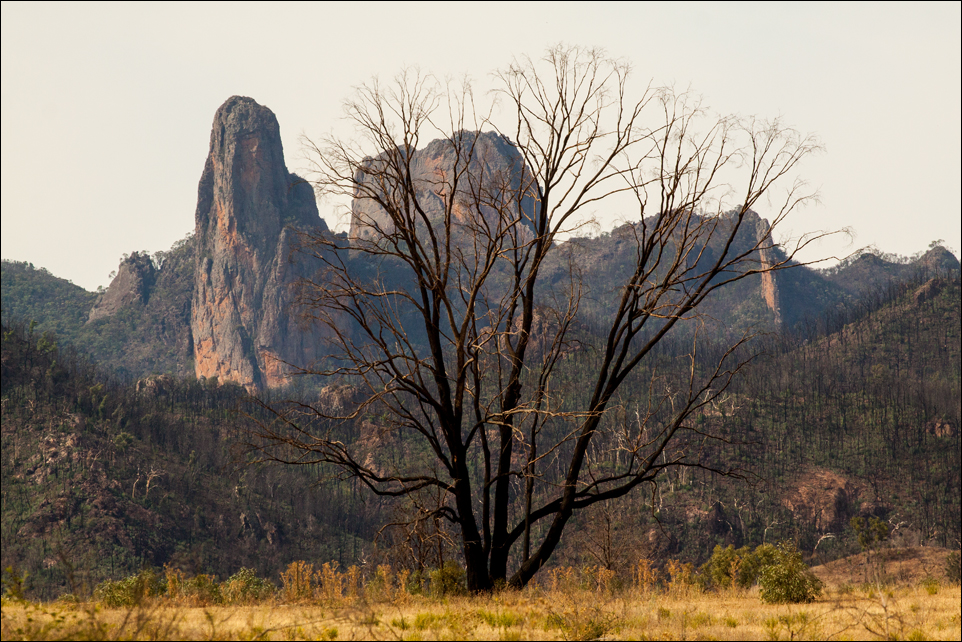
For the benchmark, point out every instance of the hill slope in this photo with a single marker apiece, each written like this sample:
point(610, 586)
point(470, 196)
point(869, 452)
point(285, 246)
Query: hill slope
point(859, 418)
point(102, 478)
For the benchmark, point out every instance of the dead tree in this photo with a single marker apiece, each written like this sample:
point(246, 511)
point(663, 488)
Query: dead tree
point(452, 340)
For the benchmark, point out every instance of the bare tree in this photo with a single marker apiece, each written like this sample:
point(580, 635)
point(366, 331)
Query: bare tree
point(444, 324)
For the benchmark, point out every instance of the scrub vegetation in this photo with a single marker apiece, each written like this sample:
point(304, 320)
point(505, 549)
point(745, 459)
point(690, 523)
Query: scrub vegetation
point(328, 603)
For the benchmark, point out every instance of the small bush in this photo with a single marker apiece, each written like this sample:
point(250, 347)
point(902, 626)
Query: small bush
point(788, 580)
point(130, 591)
point(723, 566)
point(13, 583)
point(202, 590)
point(298, 582)
point(583, 622)
point(751, 568)
point(953, 567)
point(645, 575)
point(415, 583)
point(448, 580)
point(500, 619)
point(793, 626)
point(428, 620)
point(330, 582)
point(729, 567)
point(682, 577)
point(381, 586)
point(244, 587)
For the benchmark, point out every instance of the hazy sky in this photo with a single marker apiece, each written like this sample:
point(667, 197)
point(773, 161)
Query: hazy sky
point(107, 108)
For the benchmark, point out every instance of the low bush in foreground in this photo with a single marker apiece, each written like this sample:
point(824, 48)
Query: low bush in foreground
point(130, 591)
point(572, 610)
point(787, 579)
point(778, 570)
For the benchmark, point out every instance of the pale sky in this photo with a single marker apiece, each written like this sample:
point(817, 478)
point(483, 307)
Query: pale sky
point(106, 109)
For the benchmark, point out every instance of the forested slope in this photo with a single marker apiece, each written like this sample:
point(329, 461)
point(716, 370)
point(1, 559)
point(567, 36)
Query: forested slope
point(55, 304)
point(101, 478)
point(148, 335)
point(856, 414)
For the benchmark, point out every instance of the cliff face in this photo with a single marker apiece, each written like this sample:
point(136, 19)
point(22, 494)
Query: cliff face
point(487, 168)
point(141, 323)
point(604, 263)
point(169, 305)
point(769, 288)
point(134, 281)
point(241, 320)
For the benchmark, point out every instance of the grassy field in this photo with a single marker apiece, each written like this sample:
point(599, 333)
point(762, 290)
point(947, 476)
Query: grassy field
point(925, 611)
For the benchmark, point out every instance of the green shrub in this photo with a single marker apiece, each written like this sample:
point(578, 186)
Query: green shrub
point(752, 566)
point(13, 583)
point(415, 583)
point(953, 567)
point(244, 587)
point(202, 590)
point(448, 580)
point(724, 563)
point(788, 580)
point(742, 567)
point(130, 591)
point(500, 619)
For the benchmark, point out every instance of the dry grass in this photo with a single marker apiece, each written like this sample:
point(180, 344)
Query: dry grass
point(923, 611)
point(900, 566)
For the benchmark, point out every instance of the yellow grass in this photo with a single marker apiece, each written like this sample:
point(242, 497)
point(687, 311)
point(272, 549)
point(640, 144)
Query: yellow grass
point(906, 565)
point(923, 611)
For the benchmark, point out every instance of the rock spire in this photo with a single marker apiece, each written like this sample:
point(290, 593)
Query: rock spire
point(248, 205)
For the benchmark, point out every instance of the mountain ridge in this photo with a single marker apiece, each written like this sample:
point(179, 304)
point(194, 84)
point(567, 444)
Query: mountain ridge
point(222, 303)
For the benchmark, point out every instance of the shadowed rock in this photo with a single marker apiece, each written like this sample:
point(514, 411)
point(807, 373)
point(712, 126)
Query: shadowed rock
point(486, 168)
point(133, 283)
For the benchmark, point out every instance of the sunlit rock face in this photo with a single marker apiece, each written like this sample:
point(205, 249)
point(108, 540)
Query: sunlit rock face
point(243, 325)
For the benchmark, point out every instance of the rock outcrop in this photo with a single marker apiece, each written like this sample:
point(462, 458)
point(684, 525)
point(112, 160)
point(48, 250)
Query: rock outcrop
point(870, 272)
point(490, 175)
point(768, 257)
point(931, 289)
point(221, 302)
point(134, 281)
point(168, 311)
point(939, 260)
point(822, 498)
point(155, 325)
point(248, 203)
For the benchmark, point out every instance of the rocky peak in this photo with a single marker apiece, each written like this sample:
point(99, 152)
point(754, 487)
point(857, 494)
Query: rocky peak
point(134, 281)
point(768, 257)
point(246, 191)
point(495, 175)
point(938, 259)
point(247, 201)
